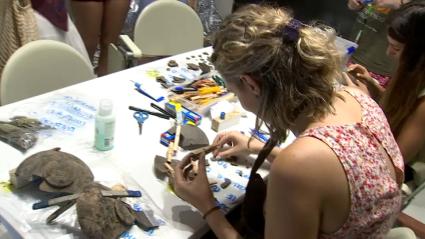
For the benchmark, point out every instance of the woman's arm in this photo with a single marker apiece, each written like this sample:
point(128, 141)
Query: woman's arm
point(198, 193)
point(293, 198)
point(358, 77)
point(221, 227)
point(412, 135)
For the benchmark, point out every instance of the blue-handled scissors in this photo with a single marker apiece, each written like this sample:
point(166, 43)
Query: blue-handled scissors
point(141, 117)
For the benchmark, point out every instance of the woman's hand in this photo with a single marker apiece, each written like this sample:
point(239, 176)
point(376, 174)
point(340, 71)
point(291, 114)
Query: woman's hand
point(393, 4)
point(359, 71)
point(355, 5)
point(234, 143)
point(360, 78)
point(197, 191)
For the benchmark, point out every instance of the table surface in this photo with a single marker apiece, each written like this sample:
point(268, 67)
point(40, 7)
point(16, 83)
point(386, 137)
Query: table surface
point(129, 163)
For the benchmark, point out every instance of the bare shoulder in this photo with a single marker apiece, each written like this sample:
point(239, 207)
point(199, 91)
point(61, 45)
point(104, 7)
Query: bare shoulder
point(355, 90)
point(416, 119)
point(420, 109)
point(306, 161)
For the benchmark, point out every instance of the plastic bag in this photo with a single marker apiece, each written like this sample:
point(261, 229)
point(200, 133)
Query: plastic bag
point(21, 139)
point(17, 215)
point(21, 132)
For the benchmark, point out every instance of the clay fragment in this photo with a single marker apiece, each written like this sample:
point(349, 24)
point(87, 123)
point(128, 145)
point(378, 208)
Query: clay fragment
point(59, 171)
point(191, 137)
point(97, 215)
point(145, 220)
point(159, 164)
point(177, 79)
point(204, 68)
point(226, 183)
point(172, 63)
point(124, 213)
point(192, 66)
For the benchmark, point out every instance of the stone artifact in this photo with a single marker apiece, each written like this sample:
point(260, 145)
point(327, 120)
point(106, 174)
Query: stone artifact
point(59, 172)
point(191, 137)
point(192, 66)
point(172, 63)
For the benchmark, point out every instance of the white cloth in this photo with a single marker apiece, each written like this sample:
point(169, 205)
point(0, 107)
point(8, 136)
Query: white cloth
point(48, 31)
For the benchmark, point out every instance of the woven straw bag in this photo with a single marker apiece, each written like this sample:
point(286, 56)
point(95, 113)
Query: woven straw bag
point(17, 27)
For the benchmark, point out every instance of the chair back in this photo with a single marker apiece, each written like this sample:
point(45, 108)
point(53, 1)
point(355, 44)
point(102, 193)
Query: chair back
point(401, 233)
point(168, 27)
point(42, 66)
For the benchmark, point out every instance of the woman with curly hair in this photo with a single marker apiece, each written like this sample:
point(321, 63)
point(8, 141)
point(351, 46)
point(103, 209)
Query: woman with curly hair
point(340, 178)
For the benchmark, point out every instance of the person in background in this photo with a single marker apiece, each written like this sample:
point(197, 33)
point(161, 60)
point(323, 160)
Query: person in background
point(43, 19)
point(340, 178)
point(99, 22)
point(329, 12)
point(404, 100)
point(208, 14)
point(54, 23)
point(370, 33)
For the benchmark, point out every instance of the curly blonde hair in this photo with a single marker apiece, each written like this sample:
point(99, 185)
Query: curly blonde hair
point(296, 76)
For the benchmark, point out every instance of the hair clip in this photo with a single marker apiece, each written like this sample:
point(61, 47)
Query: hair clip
point(291, 30)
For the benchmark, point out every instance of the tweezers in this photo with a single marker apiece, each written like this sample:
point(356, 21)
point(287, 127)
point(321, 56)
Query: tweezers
point(160, 115)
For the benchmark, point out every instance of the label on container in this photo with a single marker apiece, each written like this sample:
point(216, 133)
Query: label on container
point(104, 135)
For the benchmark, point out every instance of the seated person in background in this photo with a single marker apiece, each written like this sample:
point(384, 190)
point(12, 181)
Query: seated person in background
point(404, 100)
point(340, 178)
point(54, 24)
point(370, 33)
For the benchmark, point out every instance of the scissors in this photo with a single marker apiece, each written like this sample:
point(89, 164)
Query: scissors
point(141, 117)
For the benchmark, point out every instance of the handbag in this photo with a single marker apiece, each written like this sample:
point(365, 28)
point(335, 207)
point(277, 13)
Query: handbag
point(18, 26)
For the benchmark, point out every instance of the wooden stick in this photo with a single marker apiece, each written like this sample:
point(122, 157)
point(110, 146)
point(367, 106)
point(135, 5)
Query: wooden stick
point(195, 166)
point(199, 97)
point(177, 137)
point(169, 168)
point(170, 152)
point(207, 149)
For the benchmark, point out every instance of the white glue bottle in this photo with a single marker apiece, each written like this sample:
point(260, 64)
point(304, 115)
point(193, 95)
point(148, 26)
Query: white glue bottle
point(104, 126)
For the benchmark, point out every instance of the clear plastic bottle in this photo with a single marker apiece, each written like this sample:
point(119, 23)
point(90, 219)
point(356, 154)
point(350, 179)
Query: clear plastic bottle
point(104, 126)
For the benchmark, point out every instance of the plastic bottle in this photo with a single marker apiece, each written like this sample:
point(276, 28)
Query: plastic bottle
point(104, 126)
point(346, 49)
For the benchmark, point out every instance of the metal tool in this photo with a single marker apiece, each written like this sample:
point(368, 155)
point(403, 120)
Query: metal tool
point(160, 115)
point(171, 114)
point(141, 117)
point(73, 197)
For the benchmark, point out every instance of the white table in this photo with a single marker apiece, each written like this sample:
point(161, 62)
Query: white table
point(130, 162)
